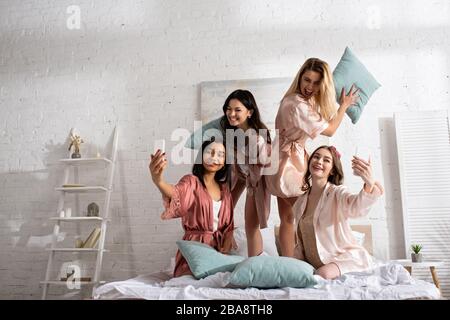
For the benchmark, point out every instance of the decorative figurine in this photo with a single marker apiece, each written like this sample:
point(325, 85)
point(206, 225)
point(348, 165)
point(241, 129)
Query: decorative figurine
point(75, 142)
point(92, 210)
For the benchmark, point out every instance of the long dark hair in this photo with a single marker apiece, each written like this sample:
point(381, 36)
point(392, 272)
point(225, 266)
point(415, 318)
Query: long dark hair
point(198, 170)
point(336, 178)
point(248, 100)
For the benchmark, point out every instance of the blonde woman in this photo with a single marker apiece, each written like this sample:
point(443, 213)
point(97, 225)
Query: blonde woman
point(307, 109)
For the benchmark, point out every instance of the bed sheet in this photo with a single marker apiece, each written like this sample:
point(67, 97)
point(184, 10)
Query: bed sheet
point(387, 281)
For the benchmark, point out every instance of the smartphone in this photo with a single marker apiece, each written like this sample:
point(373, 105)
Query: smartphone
point(362, 153)
point(159, 144)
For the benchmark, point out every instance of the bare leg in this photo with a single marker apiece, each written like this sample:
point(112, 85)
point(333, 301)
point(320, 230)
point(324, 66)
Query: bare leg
point(254, 238)
point(253, 234)
point(329, 271)
point(287, 234)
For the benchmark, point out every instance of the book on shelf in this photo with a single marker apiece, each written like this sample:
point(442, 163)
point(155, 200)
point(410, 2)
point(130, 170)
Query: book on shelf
point(79, 243)
point(92, 239)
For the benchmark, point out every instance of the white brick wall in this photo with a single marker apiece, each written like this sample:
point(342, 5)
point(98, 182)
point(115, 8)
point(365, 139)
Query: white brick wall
point(139, 63)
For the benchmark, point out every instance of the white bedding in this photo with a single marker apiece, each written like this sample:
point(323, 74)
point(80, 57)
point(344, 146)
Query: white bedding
point(386, 281)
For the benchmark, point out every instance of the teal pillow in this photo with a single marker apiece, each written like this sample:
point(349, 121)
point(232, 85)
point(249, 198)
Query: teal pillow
point(273, 272)
point(351, 71)
point(204, 260)
point(204, 133)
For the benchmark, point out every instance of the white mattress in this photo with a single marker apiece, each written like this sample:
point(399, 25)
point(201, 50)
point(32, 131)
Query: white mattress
point(386, 282)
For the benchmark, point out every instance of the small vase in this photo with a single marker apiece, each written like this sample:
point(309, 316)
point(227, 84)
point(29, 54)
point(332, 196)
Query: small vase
point(416, 257)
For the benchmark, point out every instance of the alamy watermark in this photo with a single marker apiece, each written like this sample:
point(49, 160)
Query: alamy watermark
point(248, 147)
point(73, 280)
point(73, 22)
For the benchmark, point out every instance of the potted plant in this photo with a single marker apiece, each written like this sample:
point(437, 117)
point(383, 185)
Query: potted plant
point(416, 256)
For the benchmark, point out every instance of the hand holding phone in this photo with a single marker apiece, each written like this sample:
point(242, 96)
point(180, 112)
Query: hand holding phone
point(363, 153)
point(160, 144)
point(158, 161)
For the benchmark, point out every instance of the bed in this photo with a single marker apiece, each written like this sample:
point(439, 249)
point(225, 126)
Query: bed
point(385, 281)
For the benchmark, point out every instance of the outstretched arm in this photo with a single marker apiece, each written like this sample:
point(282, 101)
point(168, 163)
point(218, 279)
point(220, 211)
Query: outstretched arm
point(345, 102)
point(358, 205)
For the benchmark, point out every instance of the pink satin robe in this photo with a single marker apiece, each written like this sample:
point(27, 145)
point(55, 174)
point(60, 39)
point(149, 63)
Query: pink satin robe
point(253, 179)
point(192, 203)
point(334, 239)
point(296, 121)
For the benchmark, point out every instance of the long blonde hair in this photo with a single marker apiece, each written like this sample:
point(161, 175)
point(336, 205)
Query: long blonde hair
point(325, 99)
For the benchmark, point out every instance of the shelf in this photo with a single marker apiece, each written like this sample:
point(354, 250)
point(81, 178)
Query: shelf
point(82, 189)
point(76, 249)
point(90, 166)
point(77, 219)
point(64, 283)
point(425, 263)
point(85, 161)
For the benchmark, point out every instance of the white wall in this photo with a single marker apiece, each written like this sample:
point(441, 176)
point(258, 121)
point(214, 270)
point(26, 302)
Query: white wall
point(139, 63)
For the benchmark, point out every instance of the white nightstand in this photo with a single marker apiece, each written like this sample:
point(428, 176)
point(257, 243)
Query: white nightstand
point(432, 264)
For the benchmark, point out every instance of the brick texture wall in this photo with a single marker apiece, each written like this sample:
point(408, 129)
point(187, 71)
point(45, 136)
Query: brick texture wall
point(138, 64)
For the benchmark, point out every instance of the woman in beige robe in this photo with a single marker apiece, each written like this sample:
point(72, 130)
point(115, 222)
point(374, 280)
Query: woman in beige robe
point(248, 139)
point(322, 213)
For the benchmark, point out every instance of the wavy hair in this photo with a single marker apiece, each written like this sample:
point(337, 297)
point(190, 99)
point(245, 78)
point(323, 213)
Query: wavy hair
point(326, 98)
point(248, 100)
point(336, 178)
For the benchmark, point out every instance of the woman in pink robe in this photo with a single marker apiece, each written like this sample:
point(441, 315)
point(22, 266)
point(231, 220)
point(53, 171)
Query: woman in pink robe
point(307, 109)
point(248, 138)
point(324, 236)
point(202, 200)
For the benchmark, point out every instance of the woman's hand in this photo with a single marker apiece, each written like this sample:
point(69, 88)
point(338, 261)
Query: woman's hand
point(345, 102)
point(363, 169)
point(348, 100)
point(157, 165)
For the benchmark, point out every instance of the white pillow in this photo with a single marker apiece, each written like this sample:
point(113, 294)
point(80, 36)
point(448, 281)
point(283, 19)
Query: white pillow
point(359, 236)
point(268, 237)
point(241, 241)
point(170, 267)
point(269, 244)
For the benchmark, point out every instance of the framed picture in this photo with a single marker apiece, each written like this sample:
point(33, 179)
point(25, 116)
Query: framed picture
point(268, 94)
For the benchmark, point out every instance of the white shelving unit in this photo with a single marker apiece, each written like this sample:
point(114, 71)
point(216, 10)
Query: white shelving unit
point(75, 165)
point(77, 219)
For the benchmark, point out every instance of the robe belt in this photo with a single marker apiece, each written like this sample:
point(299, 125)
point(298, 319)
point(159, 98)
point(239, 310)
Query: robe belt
point(290, 146)
point(198, 232)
